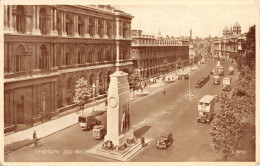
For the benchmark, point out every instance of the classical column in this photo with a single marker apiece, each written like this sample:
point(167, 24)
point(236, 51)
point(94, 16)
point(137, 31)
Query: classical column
point(76, 33)
point(10, 18)
point(64, 33)
point(86, 35)
point(105, 29)
point(96, 35)
point(37, 18)
point(33, 21)
point(5, 18)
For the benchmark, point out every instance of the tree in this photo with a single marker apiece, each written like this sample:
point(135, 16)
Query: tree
point(249, 47)
point(226, 130)
point(164, 66)
point(135, 80)
point(228, 123)
point(82, 92)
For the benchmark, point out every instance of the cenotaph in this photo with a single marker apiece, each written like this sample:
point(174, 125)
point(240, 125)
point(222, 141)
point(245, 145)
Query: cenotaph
point(118, 110)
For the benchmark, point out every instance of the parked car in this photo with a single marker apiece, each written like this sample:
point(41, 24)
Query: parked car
point(165, 140)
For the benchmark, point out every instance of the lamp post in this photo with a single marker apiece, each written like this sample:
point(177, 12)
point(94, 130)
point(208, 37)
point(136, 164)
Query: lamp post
point(189, 83)
point(94, 87)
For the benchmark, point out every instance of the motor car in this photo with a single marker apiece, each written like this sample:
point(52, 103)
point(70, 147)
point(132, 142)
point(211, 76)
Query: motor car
point(165, 140)
point(216, 80)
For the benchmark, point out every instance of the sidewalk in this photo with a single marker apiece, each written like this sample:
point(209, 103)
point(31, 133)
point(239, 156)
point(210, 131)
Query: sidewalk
point(22, 138)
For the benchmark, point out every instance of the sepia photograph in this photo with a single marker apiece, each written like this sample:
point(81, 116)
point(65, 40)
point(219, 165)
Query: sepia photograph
point(130, 82)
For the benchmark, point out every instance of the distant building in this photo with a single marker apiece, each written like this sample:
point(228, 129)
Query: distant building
point(149, 51)
point(48, 48)
point(230, 44)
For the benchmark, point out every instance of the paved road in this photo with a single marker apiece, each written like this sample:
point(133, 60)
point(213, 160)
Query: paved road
point(149, 117)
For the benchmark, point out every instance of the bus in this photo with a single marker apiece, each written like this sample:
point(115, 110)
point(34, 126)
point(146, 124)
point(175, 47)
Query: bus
point(206, 108)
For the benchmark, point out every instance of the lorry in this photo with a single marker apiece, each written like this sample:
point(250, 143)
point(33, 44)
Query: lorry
point(221, 70)
point(206, 109)
point(99, 132)
point(87, 121)
point(216, 80)
point(226, 84)
point(231, 70)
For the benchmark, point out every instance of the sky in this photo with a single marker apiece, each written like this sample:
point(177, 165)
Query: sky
point(203, 19)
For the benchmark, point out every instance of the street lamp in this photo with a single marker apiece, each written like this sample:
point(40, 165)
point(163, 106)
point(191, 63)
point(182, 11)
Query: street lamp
point(94, 87)
point(189, 83)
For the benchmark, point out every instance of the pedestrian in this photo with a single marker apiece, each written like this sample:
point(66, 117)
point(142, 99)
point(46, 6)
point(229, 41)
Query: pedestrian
point(35, 139)
point(164, 93)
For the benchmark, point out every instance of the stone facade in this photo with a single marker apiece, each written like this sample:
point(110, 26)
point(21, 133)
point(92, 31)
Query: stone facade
point(148, 52)
point(230, 44)
point(48, 48)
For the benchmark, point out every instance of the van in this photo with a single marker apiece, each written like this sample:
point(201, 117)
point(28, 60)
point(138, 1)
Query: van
point(206, 108)
point(87, 121)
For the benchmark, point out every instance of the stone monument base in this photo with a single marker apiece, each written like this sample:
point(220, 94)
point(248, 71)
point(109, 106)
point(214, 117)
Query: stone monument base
point(122, 155)
point(118, 141)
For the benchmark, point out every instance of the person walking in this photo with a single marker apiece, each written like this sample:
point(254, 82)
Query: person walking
point(35, 139)
point(164, 92)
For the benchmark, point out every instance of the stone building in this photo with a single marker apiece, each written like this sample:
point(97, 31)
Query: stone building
point(48, 48)
point(230, 44)
point(148, 52)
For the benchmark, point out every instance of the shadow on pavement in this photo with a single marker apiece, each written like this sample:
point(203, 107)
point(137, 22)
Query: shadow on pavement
point(141, 131)
point(17, 145)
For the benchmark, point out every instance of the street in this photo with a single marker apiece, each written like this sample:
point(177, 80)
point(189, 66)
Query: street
point(150, 116)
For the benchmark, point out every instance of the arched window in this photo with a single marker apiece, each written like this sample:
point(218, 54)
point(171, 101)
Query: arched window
point(19, 59)
point(20, 19)
point(43, 59)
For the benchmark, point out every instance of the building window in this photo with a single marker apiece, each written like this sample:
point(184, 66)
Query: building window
point(100, 28)
point(19, 61)
point(20, 19)
point(42, 21)
point(99, 56)
point(67, 58)
point(43, 61)
point(43, 101)
point(107, 56)
point(124, 55)
point(69, 84)
point(80, 57)
point(90, 57)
